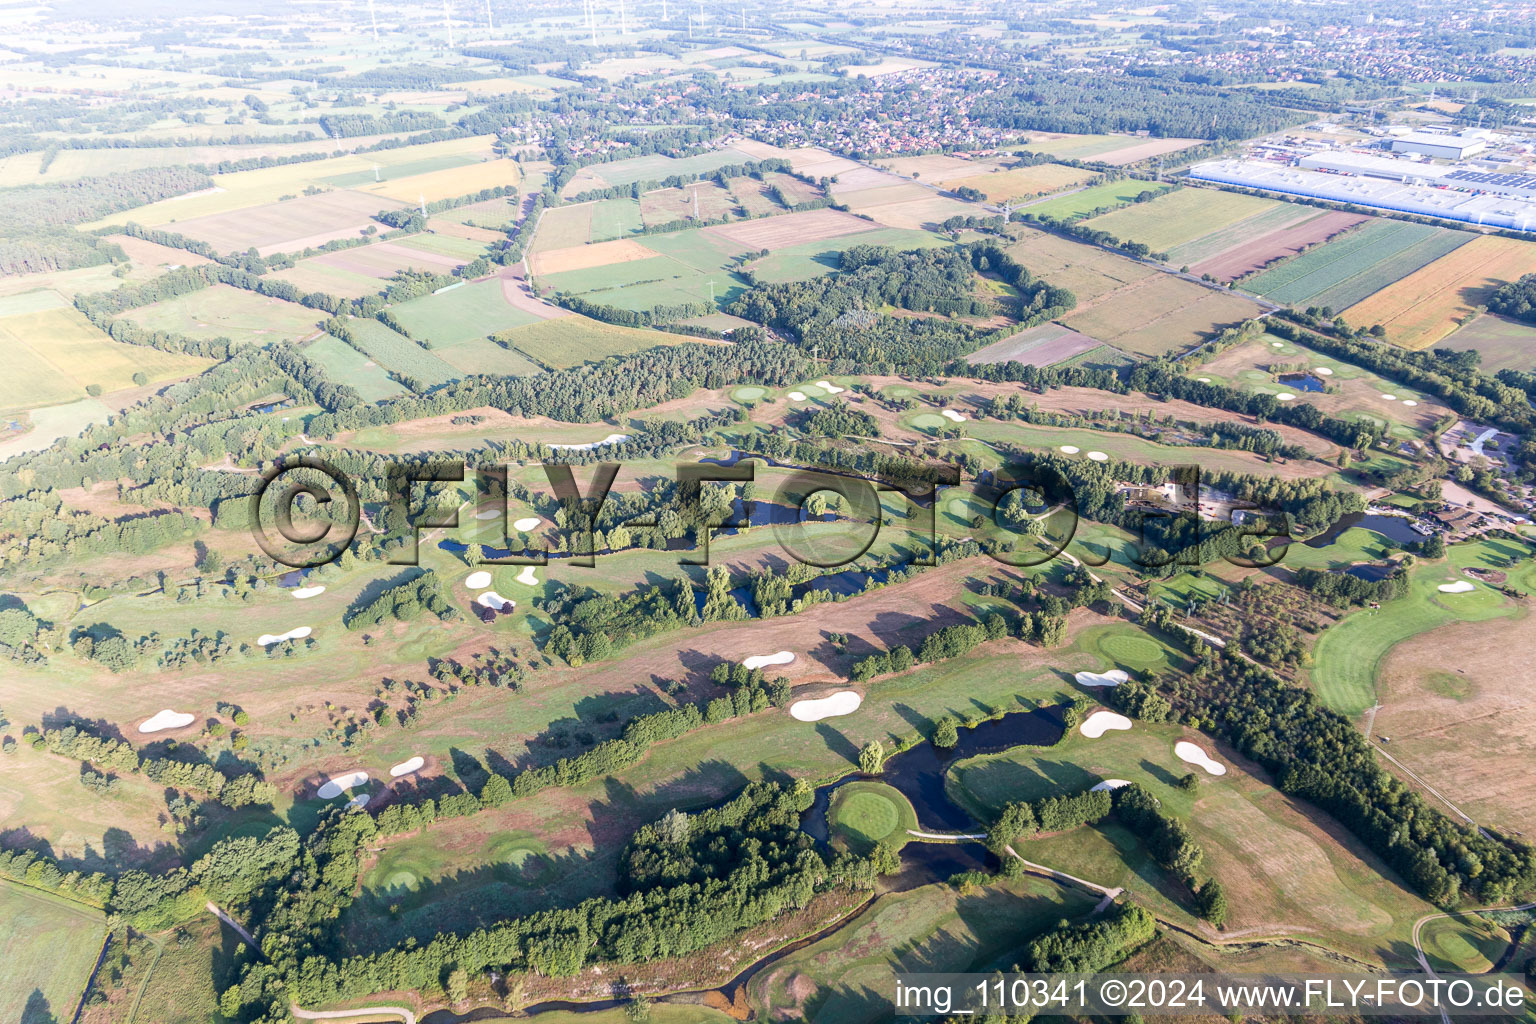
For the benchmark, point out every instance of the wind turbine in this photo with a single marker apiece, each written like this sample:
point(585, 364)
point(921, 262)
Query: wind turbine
point(448, 23)
point(490, 22)
point(374, 18)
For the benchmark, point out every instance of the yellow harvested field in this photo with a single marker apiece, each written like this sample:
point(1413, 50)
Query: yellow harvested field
point(1145, 150)
point(245, 189)
point(448, 183)
point(789, 229)
point(290, 226)
point(1427, 305)
point(1023, 181)
point(938, 168)
point(908, 206)
point(53, 354)
point(585, 257)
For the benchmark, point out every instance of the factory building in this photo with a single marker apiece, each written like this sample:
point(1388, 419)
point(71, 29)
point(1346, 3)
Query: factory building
point(1445, 200)
point(1440, 146)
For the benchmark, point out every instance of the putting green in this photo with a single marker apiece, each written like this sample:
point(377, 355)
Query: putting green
point(864, 814)
point(749, 393)
point(928, 421)
point(401, 880)
point(1135, 652)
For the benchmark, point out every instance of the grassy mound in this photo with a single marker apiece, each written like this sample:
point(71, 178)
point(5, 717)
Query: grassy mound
point(863, 814)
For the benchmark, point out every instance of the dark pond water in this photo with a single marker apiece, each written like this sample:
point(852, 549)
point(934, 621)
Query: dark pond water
point(1369, 572)
point(1395, 528)
point(293, 579)
point(1302, 381)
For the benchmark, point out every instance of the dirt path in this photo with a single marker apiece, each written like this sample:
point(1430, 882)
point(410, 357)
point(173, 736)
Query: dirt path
point(362, 1011)
point(515, 289)
point(239, 928)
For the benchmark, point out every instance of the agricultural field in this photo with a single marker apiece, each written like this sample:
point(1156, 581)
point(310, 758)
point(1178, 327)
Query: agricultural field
point(1045, 345)
point(346, 365)
point(1255, 243)
point(1089, 201)
point(1500, 342)
point(288, 226)
point(245, 190)
point(1424, 307)
point(1346, 270)
point(813, 259)
point(461, 314)
point(55, 353)
point(1087, 271)
point(1181, 216)
point(1159, 314)
point(220, 311)
point(49, 945)
point(700, 201)
point(401, 354)
point(446, 183)
point(573, 340)
point(1022, 182)
point(652, 168)
point(1112, 149)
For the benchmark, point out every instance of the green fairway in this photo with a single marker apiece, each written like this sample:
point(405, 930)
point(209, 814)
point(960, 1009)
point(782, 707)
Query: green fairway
point(1468, 943)
point(48, 945)
point(866, 814)
point(845, 978)
point(1346, 658)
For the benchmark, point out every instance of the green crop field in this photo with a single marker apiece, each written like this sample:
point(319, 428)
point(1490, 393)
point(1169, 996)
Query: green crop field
point(401, 354)
point(1083, 202)
point(1502, 344)
point(1342, 272)
point(1346, 658)
point(573, 340)
point(464, 249)
point(222, 311)
point(1250, 226)
point(465, 313)
point(657, 167)
point(615, 218)
point(346, 365)
point(1181, 216)
point(48, 945)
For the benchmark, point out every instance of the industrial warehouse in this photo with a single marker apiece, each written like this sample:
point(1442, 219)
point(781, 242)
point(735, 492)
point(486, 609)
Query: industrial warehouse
point(1475, 177)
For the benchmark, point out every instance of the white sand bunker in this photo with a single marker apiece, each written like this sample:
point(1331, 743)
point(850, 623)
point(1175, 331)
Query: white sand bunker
point(1388, 398)
point(1098, 456)
point(406, 767)
point(1459, 587)
point(610, 439)
point(527, 577)
point(304, 593)
point(1203, 380)
point(490, 513)
point(764, 660)
point(1192, 754)
point(276, 638)
point(1110, 784)
point(797, 396)
point(360, 800)
point(167, 719)
point(1285, 396)
point(339, 784)
point(1277, 344)
point(1100, 722)
point(493, 600)
point(1114, 677)
point(526, 524)
point(832, 389)
point(478, 580)
point(843, 702)
point(1409, 401)
point(1323, 371)
point(953, 417)
point(1070, 449)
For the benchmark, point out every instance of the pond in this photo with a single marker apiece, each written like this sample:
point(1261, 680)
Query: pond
point(1302, 381)
point(918, 774)
point(1395, 528)
point(1369, 572)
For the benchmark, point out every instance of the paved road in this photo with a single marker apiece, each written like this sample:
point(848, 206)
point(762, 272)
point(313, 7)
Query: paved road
point(214, 909)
